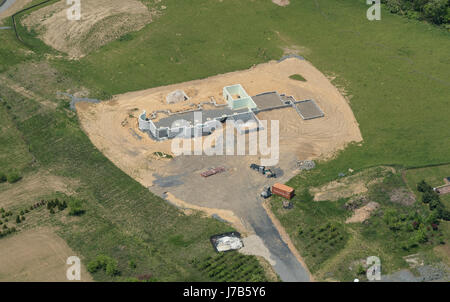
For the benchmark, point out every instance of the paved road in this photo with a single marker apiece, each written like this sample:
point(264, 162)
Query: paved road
point(286, 265)
point(238, 190)
point(6, 5)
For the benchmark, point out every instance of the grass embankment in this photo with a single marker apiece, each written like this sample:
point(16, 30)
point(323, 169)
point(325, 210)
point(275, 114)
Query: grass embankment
point(121, 218)
point(336, 250)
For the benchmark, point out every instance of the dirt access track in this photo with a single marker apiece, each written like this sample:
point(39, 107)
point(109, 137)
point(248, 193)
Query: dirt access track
point(112, 127)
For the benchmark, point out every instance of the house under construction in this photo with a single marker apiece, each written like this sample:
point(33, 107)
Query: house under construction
point(239, 107)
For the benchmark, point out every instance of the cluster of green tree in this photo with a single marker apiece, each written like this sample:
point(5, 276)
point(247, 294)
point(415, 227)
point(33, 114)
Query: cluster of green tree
point(20, 218)
point(11, 177)
point(5, 213)
point(434, 11)
point(232, 267)
point(413, 229)
point(56, 204)
point(5, 230)
point(430, 197)
point(322, 241)
point(104, 263)
point(75, 206)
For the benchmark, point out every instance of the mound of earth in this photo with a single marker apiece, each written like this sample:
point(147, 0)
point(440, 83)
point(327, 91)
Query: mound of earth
point(102, 21)
point(363, 213)
point(281, 2)
point(348, 186)
point(402, 196)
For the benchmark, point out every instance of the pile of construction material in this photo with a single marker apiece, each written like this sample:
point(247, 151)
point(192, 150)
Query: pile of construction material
point(227, 242)
point(212, 171)
point(306, 164)
point(176, 97)
point(263, 170)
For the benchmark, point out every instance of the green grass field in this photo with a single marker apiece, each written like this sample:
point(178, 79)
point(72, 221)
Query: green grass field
point(395, 73)
point(395, 70)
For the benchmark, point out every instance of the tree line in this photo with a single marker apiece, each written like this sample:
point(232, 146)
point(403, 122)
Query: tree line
point(433, 11)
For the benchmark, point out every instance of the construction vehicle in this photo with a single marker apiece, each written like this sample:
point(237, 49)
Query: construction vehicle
point(266, 193)
point(263, 170)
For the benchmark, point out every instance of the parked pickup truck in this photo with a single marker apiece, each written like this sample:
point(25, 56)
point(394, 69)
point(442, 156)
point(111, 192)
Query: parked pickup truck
point(266, 193)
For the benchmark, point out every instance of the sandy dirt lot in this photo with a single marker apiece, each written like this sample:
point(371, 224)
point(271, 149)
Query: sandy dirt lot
point(363, 213)
point(36, 255)
point(111, 127)
point(234, 194)
point(281, 2)
point(102, 21)
point(334, 190)
point(353, 184)
point(33, 186)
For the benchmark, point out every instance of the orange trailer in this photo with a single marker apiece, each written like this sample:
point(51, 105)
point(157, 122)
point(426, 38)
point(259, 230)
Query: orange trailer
point(283, 190)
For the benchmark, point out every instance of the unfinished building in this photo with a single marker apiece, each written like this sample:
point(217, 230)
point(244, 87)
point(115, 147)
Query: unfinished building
point(239, 107)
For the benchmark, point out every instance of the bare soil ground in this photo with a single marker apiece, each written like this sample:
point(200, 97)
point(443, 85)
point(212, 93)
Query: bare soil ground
point(336, 190)
point(234, 194)
point(363, 213)
point(403, 196)
point(223, 214)
point(108, 123)
point(32, 187)
point(102, 21)
point(348, 186)
point(36, 255)
point(281, 2)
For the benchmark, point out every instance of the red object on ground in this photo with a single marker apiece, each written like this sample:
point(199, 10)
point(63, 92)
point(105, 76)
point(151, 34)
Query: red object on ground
point(282, 190)
point(212, 171)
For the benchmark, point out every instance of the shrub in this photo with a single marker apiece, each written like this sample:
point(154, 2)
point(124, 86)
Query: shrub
point(424, 187)
point(75, 207)
point(428, 196)
point(132, 264)
point(361, 270)
point(2, 177)
point(13, 177)
point(103, 262)
point(297, 77)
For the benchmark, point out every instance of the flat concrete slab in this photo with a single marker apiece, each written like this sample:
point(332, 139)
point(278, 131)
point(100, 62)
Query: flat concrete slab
point(267, 100)
point(308, 109)
point(190, 116)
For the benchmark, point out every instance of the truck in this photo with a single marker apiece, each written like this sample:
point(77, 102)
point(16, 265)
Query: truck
point(263, 170)
point(266, 193)
point(283, 190)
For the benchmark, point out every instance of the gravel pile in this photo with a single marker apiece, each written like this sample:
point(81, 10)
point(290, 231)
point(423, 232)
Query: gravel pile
point(306, 164)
